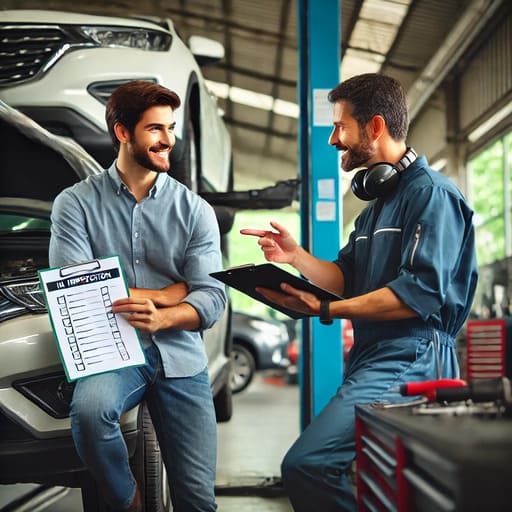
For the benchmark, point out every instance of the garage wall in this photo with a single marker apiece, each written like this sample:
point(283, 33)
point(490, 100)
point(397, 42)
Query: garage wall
point(428, 135)
point(486, 79)
point(479, 86)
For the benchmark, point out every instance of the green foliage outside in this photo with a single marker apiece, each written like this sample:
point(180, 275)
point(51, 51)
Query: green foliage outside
point(488, 192)
point(245, 249)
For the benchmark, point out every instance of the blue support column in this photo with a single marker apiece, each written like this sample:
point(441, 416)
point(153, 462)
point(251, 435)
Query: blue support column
point(319, 63)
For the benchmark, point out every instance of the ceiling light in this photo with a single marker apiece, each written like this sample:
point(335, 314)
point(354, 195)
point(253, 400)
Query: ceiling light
point(254, 99)
point(221, 90)
point(250, 98)
point(286, 108)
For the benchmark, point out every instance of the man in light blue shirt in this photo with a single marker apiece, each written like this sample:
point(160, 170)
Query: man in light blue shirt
point(168, 241)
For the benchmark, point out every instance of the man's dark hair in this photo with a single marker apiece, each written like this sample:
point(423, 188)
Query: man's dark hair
point(129, 101)
point(372, 94)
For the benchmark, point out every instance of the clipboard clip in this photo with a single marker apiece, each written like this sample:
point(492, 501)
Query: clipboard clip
point(79, 268)
point(249, 266)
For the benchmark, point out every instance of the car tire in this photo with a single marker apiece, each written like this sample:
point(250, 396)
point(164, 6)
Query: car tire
point(243, 367)
point(223, 403)
point(149, 469)
point(186, 169)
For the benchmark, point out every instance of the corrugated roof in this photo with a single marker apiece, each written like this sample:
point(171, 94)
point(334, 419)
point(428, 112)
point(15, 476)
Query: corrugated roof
point(399, 37)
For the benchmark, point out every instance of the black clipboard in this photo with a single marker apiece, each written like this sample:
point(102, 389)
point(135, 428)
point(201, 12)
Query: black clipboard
point(246, 278)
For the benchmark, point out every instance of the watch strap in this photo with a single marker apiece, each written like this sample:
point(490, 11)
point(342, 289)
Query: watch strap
point(325, 317)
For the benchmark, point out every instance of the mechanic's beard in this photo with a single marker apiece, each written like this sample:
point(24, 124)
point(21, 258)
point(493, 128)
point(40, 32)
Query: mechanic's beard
point(358, 155)
point(141, 156)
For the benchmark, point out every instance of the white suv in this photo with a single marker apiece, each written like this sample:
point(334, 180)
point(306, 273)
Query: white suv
point(60, 68)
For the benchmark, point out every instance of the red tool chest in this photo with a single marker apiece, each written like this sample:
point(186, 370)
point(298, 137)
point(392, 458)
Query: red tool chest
point(441, 461)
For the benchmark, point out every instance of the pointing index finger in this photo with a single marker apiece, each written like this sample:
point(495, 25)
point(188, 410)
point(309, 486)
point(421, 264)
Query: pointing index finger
point(253, 232)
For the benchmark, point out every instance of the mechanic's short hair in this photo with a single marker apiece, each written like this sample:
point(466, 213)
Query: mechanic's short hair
point(373, 94)
point(130, 100)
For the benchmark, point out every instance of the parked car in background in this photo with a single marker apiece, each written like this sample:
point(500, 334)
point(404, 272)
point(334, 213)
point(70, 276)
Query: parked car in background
point(60, 68)
point(293, 350)
point(35, 437)
point(258, 344)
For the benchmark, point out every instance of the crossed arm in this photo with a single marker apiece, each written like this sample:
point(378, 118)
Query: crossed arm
point(153, 310)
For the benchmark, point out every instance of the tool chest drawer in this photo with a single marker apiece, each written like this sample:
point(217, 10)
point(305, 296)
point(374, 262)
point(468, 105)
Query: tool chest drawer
point(413, 460)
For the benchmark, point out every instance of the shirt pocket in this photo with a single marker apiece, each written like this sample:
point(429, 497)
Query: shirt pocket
point(386, 256)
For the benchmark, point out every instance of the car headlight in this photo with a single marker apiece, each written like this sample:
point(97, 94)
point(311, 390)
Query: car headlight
point(21, 297)
point(123, 37)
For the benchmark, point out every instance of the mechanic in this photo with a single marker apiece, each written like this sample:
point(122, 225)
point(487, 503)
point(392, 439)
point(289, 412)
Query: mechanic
point(407, 274)
point(166, 236)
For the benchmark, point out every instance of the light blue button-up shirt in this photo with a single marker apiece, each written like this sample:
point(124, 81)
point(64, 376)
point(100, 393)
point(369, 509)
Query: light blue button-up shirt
point(170, 236)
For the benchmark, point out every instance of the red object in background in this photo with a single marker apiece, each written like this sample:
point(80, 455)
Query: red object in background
point(489, 348)
point(347, 335)
point(293, 351)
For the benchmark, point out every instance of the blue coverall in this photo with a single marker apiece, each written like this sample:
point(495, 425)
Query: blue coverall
point(419, 242)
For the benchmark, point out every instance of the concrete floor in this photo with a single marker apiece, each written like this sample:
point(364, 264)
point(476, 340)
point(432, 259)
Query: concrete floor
point(251, 446)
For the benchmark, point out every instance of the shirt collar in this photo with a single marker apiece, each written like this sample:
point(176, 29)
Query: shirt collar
point(117, 182)
point(119, 185)
point(159, 184)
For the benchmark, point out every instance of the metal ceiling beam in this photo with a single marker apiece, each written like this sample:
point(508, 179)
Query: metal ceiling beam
point(251, 73)
point(278, 63)
point(350, 28)
point(228, 10)
point(471, 23)
point(260, 129)
point(221, 24)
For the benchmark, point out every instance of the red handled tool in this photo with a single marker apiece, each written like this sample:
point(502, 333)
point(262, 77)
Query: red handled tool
point(429, 388)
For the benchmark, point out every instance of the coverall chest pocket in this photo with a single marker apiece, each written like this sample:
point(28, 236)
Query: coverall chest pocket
point(386, 255)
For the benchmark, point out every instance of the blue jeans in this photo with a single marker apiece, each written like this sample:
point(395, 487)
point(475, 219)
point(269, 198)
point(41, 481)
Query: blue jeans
point(315, 469)
point(183, 415)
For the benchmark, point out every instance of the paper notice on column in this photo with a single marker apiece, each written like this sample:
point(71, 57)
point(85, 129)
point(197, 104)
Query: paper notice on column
point(91, 339)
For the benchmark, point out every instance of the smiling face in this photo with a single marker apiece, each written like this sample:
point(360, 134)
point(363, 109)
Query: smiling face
point(347, 136)
point(153, 139)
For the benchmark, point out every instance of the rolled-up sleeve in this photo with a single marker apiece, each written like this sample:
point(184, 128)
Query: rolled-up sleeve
point(203, 256)
point(432, 259)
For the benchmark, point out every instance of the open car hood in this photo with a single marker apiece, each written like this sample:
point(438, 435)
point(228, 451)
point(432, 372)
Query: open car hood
point(37, 164)
point(26, 207)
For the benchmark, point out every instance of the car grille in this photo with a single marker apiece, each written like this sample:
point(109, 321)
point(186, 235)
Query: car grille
point(27, 51)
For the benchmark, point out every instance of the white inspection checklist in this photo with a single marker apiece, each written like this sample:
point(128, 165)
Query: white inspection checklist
point(90, 338)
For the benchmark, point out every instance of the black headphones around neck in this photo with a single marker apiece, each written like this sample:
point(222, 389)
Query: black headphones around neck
point(380, 178)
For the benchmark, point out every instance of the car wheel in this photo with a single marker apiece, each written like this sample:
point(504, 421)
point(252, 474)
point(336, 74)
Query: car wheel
point(223, 402)
point(149, 470)
point(243, 367)
point(186, 169)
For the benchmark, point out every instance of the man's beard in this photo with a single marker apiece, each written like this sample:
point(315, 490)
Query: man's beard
point(141, 156)
point(357, 155)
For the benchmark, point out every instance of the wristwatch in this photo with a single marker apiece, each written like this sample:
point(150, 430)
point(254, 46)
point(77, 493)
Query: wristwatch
point(325, 318)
